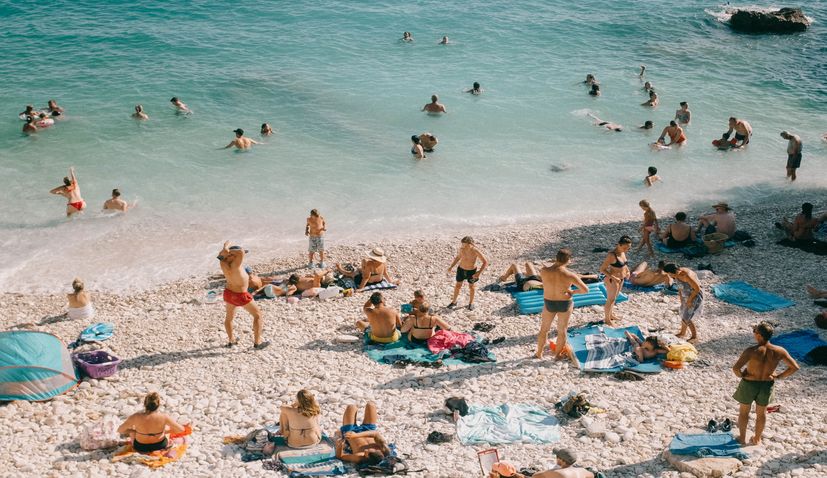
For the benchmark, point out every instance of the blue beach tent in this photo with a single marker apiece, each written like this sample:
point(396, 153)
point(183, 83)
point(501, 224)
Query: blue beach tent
point(34, 366)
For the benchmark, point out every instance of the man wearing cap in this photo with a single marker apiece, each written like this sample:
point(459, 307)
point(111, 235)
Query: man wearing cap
point(231, 259)
point(793, 153)
point(241, 141)
point(723, 221)
point(382, 320)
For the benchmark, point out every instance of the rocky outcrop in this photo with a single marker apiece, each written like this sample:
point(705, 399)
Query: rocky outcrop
point(786, 20)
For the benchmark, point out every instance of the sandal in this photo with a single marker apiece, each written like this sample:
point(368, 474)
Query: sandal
point(712, 426)
point(726, 425)
point(231, 344)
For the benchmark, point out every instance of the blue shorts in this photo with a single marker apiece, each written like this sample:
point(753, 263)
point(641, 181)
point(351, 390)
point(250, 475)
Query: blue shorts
point(365, 427)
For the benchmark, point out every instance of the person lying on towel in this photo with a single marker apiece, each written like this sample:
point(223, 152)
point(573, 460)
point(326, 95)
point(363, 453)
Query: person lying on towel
point(148, 429)
point(361, 443)
point(382, 320)
point(421, 326)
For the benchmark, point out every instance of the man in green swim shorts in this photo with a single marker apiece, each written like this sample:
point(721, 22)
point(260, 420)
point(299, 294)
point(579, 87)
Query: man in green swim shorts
point(756, 367)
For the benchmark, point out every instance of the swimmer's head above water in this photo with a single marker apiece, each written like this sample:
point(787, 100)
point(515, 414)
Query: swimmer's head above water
point(238, 132)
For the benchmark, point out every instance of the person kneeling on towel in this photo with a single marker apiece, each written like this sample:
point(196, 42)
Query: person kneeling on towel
point(382, 320)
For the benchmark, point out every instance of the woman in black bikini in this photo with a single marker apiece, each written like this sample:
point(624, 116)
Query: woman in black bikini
point(148, 429)
point(616, 269)
point(420, 327)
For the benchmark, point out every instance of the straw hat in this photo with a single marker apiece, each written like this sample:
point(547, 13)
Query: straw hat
point(723, 205)
point(377, 254)
point(504, 469)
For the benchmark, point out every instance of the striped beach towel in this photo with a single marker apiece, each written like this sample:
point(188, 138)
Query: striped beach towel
point(608, 352)
point(317, 460)
point(380, 286)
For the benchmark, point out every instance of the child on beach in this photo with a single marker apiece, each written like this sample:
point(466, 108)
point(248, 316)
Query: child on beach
point(412, 307)
point(650, 225)
point(651, 177)
point(691, 297)
point(467, 270)
point(315, 229)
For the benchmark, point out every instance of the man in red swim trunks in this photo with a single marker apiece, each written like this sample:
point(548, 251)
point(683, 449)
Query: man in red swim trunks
point(236, 295)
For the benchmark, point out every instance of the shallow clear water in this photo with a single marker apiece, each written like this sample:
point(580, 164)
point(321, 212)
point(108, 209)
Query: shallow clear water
point(345, 94)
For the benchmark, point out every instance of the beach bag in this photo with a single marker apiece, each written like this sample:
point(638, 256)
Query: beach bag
point(682, 353)
point(258, 442)
point(576, 406)
point(715, 242)
point(103, 434)
point(392, 465)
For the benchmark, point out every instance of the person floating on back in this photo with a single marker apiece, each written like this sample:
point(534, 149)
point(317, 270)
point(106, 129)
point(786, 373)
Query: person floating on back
point(466, 262)
point(314, 230)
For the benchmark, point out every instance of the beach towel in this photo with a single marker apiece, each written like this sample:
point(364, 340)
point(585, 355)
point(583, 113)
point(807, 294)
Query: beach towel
point(380, 286)
point(745, 295)
point(799, 343)
point(687, 249)
point(156, 459)
point(603, 352)
point(445, 339)
point(409, 352)
point(706, 445)
point(531, 302)
point(98, 332)
point(507, 423)
point(577, 339)
point(317, 460)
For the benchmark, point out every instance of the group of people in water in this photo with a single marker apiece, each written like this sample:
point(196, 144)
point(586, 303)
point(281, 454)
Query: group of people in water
point(70, 189)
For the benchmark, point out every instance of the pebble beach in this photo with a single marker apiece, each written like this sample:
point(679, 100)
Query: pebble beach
point(172, 342)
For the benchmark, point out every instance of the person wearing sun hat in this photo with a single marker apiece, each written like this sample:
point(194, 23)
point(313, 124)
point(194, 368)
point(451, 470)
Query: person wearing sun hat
point(722, 220)
point(373, 271)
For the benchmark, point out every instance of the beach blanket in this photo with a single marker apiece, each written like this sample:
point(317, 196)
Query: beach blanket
point(687, 249)
point(799, 343)
point(707, 445)
point(531, 302)
point(745, 295)
point(380, 286)
point(408, 352)
point(507, 423)
point(655, 288)
point(317, 460)
point(156, 459)
point(445, 339)
point(601, 354)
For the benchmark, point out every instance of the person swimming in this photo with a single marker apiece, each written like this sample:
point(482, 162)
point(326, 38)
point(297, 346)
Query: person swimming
point(648, 124)
point(444, 41)
point(609, 126)
point(179, 105)
point(139, 113)
point(653, 99)
point(407, 37)
point(475, 89)
point(417, 150)
point(683, 115)
point(53, 109)
point(595, 91)
point(266, 130)
point(651, 176)
point(434, 106)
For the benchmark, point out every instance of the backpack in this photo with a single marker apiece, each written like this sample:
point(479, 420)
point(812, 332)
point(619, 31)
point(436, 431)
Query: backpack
point(576, 406)
point(391, 465)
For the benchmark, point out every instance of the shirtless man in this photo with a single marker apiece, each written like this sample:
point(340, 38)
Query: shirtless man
point(382, 320)
point(679, 234)
point(241, 141)
point(30, 127)
point(421, 326)
point(691, 298)
point(793, 153)
point(116, 203)
point(361, 443)
point(676, 135)
point(71, 191)
point(758, 380)
point(743, 131)
point(236, 295)
point(606, 124)
point(434, 106)
point(723, 220)
point(444, 41)
point(683, 115)
point(529, 281)
point(139, 113)
point(645, 277)
point(557, 282)
point(179, 105)
point(294, 284)
point(428, 142)
point(314, 229)
point(476, 89)
point(565, 467)
point(467, 270)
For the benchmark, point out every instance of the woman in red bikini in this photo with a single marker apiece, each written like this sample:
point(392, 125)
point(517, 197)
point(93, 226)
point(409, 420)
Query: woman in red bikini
point(71, 191)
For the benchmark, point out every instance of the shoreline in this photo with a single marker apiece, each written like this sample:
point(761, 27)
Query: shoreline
point(172, 344)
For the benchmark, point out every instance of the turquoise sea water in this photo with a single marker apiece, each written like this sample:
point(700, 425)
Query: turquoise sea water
point(345, 94)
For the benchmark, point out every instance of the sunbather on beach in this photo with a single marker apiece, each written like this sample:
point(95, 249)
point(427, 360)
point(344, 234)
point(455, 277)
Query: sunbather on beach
point(466, 262)
point(422, 326)
point(651, 176)
point(528, 281)
point(679, 234)
point(374, 269)
point(691, 297)
point(116, 203)
point(723, 221)
point(314, 229)
point(557, 293)
point(803, 227)
point(650, 226)
point(71, 191)
point(615, 268)
point(609, 126)
point(240, 141)
point(434, 106)
point(644, 277)
point(80, 304)
point(756, 368)
point(566, 468)
point(382, 320)
point(299, 422)
point(231, 259)
point(815, 293)
point(148, 429)
point(294, 284)
point(742, 129)
point(647, 348)
point(361, 443)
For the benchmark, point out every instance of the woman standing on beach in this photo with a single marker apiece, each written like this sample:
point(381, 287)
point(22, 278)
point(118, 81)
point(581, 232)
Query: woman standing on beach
point(615, 267)
point(650, 225)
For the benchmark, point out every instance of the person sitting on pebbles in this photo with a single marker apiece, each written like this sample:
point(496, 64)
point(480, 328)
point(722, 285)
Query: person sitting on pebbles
point(148, 429)
point(361, 443)
point(412, 307)
point(374, 269)
point(422, 326)
point(299, 422)
point(80, 304)
point(382, 320)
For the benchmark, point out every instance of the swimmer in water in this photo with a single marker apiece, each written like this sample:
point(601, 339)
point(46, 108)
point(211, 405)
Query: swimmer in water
point(651, 177)
point(647, 125)
point(407, 37)
point(29, 112)
point(675, 132)
point(266, 130)
point(139, 113)
point(116, 203)
point(428, 142)
point(595, 91)
point(54, 109)
point(642, 70)
point(609, 126)
point(179, 105)
point(241, 142)
point(475, 89)
point(683, 115)
point(71, 191)
point(647, 87)
point(591, 80)
point(653, 99)
point(434, 106)
point(743, 131)
point(417, 150)
point(444, 41)
point(29, 127)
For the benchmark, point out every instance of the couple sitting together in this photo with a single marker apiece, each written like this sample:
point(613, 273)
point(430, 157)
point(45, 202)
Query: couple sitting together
point(386, 325)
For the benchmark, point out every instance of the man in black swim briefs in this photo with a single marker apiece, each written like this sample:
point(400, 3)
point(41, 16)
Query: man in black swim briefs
point(742, 129)
point(466, 262)
point(557, 283)
point(529, 281)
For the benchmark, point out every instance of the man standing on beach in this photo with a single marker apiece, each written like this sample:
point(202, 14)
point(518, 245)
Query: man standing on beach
point(793, 153)
point(467, 270)
point(241, 141)
point(557, 282)
point(314, 230)
point(434, 106)
point(236, 295)
point(758, 380)
point(743, 131)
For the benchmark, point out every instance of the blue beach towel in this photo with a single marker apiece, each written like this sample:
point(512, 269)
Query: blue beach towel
point(683, 250)
point(655, 288)
point(531, 302)
point(593, 356)
point(707, 445)
point(799, 343)
point(507, 423)
point(403, 349)
point(745, 295)
point(100, 331)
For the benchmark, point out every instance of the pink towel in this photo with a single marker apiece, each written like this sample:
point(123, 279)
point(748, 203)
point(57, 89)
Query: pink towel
point(445, 339)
